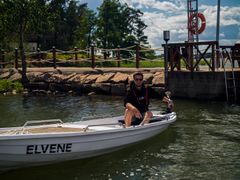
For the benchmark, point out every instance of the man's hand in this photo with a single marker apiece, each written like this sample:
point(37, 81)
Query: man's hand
point(166, 99)
point(137, 113)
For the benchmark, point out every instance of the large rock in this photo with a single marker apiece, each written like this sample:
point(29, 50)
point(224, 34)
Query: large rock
point(61, 78)
point(158, 79)
point(67, 77)
point(77, 87)
point(75, 79)
point(35, 76)
point(118, 89)
point(105, 78)
point(90, 79)
point(39, 77)
point(7, 74)
point(38, 85)
point(120, 78)
point(79, 78)
point(59, 87)
point(148, 78)
point(102, 88)
point(15, 77)
point(56, 78)
point(88, 88)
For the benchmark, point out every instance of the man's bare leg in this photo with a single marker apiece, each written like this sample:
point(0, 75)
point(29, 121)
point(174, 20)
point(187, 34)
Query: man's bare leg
point(147, 117)
point(128, 117)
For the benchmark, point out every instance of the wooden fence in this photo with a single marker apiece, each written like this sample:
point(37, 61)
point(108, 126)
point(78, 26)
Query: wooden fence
point(91, 55)
point(180, 55)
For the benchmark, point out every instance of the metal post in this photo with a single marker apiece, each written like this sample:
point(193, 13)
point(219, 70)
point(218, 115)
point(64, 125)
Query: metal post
point(137, 55)
point(54, 57)
point(218, 20)
point(218, 32)
point(16, 58)
point(3, 58)
point(166, 37)
point(213, 58)
point(93, 56)
point(76, 55)
point(118, 56)
point(38, 54)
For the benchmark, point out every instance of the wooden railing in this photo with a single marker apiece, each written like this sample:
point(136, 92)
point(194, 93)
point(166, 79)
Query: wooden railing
point(191, 53)
point(91, 55)
point(233, 53)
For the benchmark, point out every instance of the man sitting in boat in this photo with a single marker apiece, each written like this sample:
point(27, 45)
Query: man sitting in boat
point(137, 101)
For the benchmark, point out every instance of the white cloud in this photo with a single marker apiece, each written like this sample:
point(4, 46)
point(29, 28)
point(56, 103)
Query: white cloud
point(228, 15)
point(171, 15)
point(160, 5)
point(158, 22)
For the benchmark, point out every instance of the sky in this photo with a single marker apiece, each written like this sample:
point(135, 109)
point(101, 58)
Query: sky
point(160, 15)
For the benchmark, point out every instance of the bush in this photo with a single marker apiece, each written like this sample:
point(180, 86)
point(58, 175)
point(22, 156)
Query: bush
point(8, 86)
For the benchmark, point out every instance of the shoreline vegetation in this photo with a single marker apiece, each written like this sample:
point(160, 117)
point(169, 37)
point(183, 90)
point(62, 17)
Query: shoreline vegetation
point(8, 87)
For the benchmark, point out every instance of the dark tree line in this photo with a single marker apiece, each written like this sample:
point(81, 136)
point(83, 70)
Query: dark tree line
point(67, 23)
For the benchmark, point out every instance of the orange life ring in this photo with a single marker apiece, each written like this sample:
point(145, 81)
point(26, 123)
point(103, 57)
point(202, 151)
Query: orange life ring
point(192, 25)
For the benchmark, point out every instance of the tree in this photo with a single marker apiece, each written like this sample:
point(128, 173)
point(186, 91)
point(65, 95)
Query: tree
point(84, 32)
point(57, 21)
point(119, 24)
point(19, 21)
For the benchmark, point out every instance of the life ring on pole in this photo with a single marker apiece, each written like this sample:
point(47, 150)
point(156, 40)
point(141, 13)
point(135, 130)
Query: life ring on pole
point(193, 25)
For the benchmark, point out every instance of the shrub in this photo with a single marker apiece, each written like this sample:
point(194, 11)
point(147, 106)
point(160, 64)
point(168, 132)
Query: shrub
point(8, 86)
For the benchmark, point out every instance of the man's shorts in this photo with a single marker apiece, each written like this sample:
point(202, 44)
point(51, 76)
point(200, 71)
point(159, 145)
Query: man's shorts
point(137, 121)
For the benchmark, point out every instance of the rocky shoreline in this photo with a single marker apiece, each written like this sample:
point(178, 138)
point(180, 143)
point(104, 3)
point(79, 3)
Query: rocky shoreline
point(108, 82)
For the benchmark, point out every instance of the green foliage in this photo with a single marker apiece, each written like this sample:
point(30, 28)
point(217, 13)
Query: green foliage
point(119, 24)
point(66, 23)
point(8, 86)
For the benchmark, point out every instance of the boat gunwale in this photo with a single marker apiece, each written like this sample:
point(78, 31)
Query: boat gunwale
point(87, 133)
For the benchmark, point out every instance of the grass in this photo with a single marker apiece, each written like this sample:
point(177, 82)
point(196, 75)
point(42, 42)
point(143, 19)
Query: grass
point(9, 86)
point(126, 64)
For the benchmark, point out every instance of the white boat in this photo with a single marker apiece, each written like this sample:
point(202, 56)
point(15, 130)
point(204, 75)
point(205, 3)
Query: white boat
point(35, 144)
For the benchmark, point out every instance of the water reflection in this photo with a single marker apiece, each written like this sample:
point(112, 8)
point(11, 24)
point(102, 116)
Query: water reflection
point(203, 144)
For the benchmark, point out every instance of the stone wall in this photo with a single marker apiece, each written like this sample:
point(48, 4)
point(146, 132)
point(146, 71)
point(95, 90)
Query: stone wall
point(100, 82)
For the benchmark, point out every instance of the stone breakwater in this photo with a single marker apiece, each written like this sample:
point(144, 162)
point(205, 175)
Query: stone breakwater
point(84, 82)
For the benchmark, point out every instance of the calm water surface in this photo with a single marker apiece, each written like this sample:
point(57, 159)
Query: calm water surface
point(204, 143)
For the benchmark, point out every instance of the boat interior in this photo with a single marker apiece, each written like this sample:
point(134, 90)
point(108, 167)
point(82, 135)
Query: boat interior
point(57, 126)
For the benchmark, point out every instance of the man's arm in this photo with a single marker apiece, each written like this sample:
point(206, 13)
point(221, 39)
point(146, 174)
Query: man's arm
point(135, 111)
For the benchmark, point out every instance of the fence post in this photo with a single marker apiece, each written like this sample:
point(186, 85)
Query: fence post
point(3, 58)
point(16, 58)
point(93, 56)
point(118, 56)
point(213, 58)
point(38, 54)
point(76, 55)
point(137, 55)
point(88, 51)
point(54, 57)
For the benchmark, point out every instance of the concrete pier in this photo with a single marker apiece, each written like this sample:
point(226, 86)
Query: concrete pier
point(201, 85)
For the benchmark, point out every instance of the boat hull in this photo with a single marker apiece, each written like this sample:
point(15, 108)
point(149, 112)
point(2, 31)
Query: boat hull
point(29, 150)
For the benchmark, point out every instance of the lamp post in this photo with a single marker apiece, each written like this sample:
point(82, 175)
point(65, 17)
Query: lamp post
point(92, 54)
point(166, 37)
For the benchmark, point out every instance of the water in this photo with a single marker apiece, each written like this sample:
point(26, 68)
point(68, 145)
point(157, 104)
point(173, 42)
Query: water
point(204, 143)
